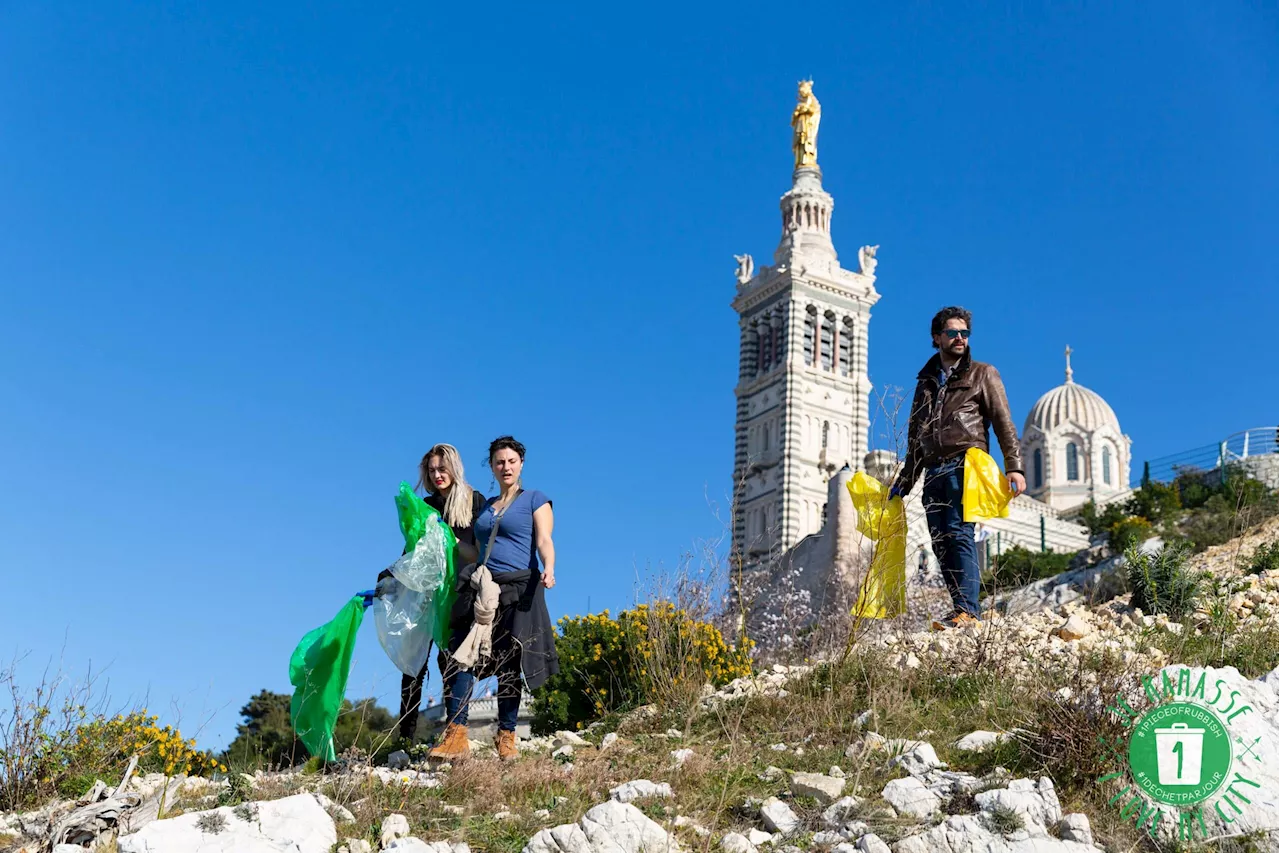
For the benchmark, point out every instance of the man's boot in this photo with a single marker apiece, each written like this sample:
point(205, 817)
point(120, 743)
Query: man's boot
point(454, 746)
point(506, 743)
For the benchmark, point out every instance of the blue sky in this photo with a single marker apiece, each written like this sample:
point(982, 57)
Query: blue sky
point(254, 260)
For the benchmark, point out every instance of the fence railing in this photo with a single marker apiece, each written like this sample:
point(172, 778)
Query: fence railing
point(1260, 441)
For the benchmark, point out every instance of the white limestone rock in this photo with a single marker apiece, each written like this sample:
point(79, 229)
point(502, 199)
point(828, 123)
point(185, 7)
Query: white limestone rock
point(871, 843)
point(1075, 628)
point(567, 738)
point(827, 838)
point(683, 821)
point(980, 741)
point(758, 836)
point(565, 751)
point(417, 845)
point(1075, 827)
point(297, 824)
point(948, 783)
point(609, 740)
point(393, 826)
point(918, 760)
point(680, 756)
point(825, 789)
point(909, 796)
point(967, 834)
point(778, 816)
point(638, 789)
point(355, 845)
point(611, 827)
point(839, 812)
point(735, 843)
point(1037, 802)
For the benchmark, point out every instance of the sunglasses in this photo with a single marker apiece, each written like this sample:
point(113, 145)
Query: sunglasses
point(956, 333)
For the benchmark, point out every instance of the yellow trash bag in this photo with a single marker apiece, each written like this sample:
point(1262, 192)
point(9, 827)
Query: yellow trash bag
point(882, 519)
point(986, 489)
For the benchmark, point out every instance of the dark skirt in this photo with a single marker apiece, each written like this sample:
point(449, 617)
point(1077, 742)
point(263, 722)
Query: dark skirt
point(522, 625)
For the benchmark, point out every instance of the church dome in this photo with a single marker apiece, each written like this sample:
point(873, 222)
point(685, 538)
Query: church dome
point(1071, 403)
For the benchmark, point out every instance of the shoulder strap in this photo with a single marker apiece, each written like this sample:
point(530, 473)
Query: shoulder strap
point(497, 519)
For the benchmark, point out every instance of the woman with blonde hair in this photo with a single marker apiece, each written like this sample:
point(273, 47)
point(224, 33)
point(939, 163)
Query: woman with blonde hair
point(500, 625)
point(440, 474)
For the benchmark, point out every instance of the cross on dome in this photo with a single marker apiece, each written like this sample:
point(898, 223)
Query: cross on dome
point(1070, 381)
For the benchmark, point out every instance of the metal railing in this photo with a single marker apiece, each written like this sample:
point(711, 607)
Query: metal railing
point(1235, 448)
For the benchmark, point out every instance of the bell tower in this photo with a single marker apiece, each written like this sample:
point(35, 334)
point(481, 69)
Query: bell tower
point(803, 391)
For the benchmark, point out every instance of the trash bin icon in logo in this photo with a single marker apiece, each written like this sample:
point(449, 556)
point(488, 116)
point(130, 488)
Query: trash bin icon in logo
point(1178, 751)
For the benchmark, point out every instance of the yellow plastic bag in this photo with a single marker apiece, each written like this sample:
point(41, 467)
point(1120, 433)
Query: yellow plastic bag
point(986, 488)
point(884, 520)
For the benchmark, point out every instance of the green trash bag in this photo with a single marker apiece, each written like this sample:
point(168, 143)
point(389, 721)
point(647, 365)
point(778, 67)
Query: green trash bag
point(318, 672)
point(414, 514)
point(414, 609)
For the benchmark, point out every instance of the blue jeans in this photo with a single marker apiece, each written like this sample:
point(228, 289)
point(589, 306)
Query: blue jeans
point(460, 683)
point(953, 542)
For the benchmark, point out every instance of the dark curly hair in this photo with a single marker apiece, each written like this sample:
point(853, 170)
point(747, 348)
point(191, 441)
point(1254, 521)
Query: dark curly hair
point(952, 312)
point(505, 442)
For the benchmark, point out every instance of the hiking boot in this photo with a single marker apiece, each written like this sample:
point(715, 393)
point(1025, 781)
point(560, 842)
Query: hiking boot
point(948, 621)
point(956, 619)
point(506, 744)
point(454, 746)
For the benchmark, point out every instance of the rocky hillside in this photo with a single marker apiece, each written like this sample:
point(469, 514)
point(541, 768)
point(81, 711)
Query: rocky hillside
point(977, 739)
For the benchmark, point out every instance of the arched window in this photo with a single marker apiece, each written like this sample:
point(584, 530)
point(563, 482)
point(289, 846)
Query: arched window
point(1073, 462)
point(828, 341)
point(1106, 465)
point(810, 334)
point(846, 338)
point(1037, 469)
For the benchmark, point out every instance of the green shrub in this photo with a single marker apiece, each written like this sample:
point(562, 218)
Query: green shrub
point(1100, 522)
point(1162, 583)
point(1019, 566)
point(655, 654)
point(1265, 558)
point(1129, 532)
point(1155, 501)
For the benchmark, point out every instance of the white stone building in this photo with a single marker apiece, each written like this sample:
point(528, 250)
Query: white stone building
point(804, 415)
point(1073, 447)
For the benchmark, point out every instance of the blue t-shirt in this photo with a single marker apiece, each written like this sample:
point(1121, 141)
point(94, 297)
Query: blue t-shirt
point(514, 548)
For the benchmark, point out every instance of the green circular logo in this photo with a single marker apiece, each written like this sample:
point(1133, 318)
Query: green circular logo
point(1180, 753)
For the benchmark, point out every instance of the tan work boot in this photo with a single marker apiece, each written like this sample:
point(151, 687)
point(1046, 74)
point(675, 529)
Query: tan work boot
point(454, 746)
point(506, 744)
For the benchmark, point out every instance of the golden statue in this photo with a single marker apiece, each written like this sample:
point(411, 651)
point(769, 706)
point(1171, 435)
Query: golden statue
point(804, 126)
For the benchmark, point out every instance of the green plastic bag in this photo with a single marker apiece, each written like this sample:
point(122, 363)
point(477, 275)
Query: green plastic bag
point(318, 672)
point(414, 514)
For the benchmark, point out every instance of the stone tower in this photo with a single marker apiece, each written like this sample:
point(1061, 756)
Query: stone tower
point(803, 391)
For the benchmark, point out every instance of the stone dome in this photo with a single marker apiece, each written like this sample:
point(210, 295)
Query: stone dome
point(1072, 403)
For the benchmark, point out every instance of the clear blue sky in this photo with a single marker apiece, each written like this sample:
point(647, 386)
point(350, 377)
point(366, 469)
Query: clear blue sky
point(256, 258)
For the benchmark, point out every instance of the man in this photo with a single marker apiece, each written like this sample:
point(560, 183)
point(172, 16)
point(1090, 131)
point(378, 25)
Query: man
point(956, 400)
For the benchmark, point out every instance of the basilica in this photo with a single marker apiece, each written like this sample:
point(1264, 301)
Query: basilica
point(807, 411)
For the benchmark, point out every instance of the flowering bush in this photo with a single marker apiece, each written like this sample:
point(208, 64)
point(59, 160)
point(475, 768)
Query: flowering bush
point(67, 761)
point(650, 654)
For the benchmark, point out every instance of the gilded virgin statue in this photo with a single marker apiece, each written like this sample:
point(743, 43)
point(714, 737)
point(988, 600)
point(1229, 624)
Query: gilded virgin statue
point(804, 126)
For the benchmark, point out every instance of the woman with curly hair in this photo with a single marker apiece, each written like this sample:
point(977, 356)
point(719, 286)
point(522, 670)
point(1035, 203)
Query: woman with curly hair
point(500, 625)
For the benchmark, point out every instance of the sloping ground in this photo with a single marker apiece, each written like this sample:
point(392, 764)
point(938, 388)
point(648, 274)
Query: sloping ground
point(833, 756)
point(1225, 559)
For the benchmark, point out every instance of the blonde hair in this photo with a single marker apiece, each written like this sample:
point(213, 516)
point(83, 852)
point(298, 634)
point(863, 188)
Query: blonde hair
point(457, 503)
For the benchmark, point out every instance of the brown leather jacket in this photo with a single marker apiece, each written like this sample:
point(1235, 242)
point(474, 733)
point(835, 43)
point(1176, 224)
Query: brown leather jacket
point(974, 400)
